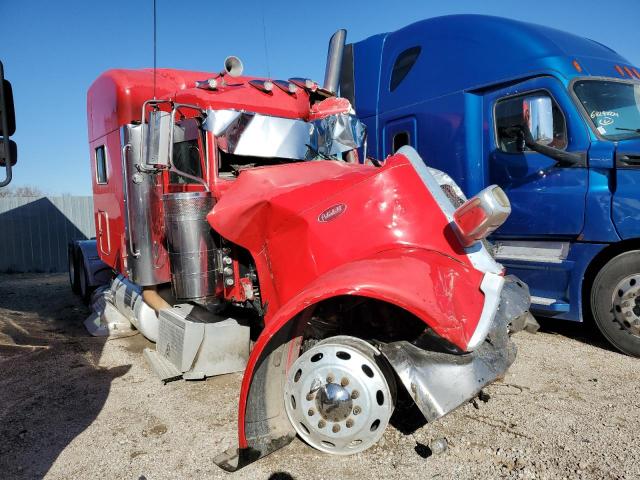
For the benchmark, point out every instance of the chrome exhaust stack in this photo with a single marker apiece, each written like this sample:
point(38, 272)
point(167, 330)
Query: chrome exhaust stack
point(334, 61)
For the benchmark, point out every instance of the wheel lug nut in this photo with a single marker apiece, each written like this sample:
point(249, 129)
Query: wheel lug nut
point(625, 304)
point(330, 378)
point(355, 394)
point(349, 423)
point(311, 412)
point(336, 428)
point(628, 314)
point(309, 396)
point(344, 382)
point(356, 410)
point(321, 424)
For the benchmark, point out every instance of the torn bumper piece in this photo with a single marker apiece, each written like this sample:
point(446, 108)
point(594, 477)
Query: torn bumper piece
point(440, 382)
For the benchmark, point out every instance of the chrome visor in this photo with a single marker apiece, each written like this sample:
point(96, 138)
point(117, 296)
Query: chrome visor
point(253, 134)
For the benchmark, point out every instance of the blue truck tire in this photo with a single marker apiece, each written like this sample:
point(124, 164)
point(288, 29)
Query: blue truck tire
point(615, 302)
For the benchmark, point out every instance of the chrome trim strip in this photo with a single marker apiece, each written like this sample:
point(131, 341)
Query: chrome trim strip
point(531, 251)
point(491, 286)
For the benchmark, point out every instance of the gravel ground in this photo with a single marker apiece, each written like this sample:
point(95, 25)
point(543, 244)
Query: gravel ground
point(73, 406)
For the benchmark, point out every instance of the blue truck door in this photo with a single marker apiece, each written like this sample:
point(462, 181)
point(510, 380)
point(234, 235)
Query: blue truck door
point(398, 133)
point(547, 200)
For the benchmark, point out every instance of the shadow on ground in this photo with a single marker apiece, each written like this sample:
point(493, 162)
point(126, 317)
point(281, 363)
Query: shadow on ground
point(585, 332)
point(51, 387)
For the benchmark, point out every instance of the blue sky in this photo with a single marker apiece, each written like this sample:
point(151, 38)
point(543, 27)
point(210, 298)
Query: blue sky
point(52, 51)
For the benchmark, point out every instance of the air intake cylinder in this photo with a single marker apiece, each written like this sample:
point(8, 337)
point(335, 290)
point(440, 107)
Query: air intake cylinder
point(191, 245)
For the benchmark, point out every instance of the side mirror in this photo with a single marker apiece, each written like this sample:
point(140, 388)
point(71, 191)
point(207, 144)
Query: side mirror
point(537, 116)
point(8, 148)
point(6, 108)
point(10, 157)
point(537, 130)
point(158, 140)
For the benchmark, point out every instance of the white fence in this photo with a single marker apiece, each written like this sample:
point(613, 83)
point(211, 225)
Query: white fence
point(35, 231)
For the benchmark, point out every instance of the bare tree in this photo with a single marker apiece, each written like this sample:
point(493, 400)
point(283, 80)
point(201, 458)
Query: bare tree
point(24, 191)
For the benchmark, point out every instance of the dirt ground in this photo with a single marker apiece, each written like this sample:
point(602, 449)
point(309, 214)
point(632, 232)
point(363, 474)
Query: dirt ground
point(74, 406)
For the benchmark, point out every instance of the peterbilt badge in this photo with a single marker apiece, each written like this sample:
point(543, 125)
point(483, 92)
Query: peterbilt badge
point(332, 213)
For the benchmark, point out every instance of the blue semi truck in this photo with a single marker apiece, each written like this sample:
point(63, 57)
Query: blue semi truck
point(552, 118)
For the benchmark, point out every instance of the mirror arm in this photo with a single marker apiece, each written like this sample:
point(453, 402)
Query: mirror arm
point(567, 159)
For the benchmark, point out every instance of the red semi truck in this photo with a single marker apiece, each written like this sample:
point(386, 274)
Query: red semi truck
point(239, 231)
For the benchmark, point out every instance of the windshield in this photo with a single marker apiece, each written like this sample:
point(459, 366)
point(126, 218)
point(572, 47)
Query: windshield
point(613, 107)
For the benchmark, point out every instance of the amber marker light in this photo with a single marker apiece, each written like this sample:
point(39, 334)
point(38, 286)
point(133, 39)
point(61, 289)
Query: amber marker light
point(577, 66)
point(620, 71)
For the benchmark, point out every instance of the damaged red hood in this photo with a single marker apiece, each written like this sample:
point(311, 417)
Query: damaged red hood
point(303, 221)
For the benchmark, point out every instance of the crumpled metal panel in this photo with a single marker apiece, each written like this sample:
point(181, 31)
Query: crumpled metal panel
point(440, 382)
point(514, 306)
point(253, 134)
point(337, 133)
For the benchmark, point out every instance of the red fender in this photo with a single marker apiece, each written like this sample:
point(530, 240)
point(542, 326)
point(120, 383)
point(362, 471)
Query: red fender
point(420, 281)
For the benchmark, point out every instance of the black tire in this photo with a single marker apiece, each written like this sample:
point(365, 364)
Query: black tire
point(83, 282)
point(72, 265)
point(604, 287)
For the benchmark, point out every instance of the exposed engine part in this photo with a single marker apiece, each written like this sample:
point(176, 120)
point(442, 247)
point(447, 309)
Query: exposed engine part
point(339, 396)
point(190, 241)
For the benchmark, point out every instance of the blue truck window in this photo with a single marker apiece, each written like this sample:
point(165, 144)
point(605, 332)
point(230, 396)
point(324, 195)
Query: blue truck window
point(101, 165)
point(612, 107)
point(403, 65)
point(508, 117)
point(400, 139)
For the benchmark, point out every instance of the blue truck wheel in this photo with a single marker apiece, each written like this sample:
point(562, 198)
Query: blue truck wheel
point(615, 302)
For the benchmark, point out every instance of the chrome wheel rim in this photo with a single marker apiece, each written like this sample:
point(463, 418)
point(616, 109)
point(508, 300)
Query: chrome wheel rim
point(338, 398)
point(626, 304)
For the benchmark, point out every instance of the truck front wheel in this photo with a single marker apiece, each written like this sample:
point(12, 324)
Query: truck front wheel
point(339, 395)
point(615, 302)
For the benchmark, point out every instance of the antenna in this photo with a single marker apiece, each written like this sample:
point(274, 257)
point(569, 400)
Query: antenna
point(154, 49)
point(264, 35)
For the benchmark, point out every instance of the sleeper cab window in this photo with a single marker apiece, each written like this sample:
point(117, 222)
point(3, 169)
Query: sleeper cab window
point(186, 152)
point(101, 165)
point(509, 118)
point(403, 65)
